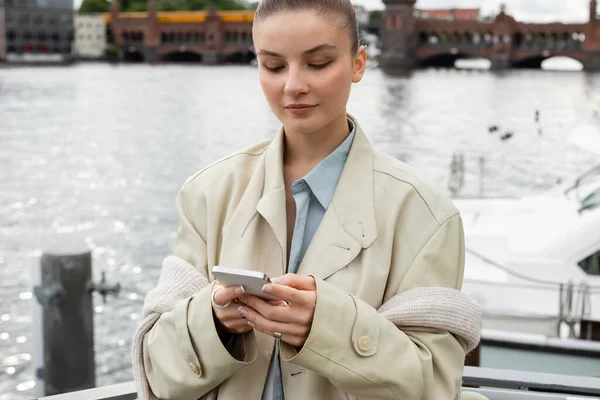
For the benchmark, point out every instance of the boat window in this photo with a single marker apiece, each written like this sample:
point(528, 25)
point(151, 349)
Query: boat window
point(591, 201)
point(591, 265)
point(586, 189)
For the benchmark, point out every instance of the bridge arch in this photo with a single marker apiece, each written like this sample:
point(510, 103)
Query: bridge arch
point(133, 55)
point(239, 57)
point(185, 56)
point(446, 59)
point(535, 61)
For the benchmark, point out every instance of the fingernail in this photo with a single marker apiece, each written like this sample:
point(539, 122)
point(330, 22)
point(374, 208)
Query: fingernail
point(243, 312)
point(277, 280)
point(251, 324)
point(267, 289)
point(239, 291)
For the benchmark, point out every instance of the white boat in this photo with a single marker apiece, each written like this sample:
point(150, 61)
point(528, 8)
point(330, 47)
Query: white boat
point(533, 263)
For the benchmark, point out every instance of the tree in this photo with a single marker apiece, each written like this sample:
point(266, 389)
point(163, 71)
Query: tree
point(172, 5)
point(231, 5)
point(375, 18)
point(137, 5)
point(195, 5)
point(94, 6)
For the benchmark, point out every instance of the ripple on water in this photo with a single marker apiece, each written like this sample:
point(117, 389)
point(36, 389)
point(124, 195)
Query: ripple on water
point(16, 359)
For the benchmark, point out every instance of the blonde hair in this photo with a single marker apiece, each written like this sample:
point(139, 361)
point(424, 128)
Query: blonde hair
point(342, 8)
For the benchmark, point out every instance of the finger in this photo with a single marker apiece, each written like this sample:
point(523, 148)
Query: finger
point(239, 326)
point(287, 293)
point(300, 282)
point(270, 325)
point(285, 337)
point(273, 312)
point(225, 294)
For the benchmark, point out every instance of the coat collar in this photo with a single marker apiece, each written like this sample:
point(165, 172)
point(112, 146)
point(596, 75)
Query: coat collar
point(348, 225)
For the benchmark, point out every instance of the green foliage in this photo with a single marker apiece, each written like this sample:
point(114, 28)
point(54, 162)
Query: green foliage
point(375, 18)
point(94, 6)
point(181, 5)
point(231, 5)
point(136, 5)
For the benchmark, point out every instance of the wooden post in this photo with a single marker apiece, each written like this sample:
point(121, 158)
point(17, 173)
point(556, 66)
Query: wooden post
point(65, 294)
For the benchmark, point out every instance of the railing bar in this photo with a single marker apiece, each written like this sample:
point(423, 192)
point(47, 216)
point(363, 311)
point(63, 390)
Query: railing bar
point(556, 383)
point(472, 376)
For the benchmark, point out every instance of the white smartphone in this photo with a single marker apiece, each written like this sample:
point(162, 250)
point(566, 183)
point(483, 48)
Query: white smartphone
point(252, 281)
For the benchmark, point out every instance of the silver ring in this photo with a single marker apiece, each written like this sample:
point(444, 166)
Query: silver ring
point(277, 335)
point(214, 303)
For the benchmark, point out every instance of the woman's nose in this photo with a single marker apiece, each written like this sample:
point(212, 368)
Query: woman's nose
point(295, 84)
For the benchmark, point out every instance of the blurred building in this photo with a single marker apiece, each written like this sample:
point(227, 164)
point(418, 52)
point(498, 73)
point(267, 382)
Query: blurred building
point(362, 15)
point(90, 36)
point(450, 14)
point(2, 31)
point(38, 31)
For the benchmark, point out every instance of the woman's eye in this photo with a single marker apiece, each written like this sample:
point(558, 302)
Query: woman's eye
point(319, 66)
point(274, 69)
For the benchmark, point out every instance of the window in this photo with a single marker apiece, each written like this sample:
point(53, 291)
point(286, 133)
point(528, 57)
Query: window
point(591, 265)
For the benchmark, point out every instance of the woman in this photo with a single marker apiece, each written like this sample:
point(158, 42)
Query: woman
point(342, 228)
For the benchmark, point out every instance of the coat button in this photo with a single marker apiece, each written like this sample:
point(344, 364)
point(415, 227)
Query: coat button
point(195, 368)
point(364, 343)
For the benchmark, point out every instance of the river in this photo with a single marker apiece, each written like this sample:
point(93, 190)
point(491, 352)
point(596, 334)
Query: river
point(99, 152)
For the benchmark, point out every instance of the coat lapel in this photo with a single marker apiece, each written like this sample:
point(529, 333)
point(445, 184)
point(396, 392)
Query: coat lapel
point(349, 223)
point(255, 235)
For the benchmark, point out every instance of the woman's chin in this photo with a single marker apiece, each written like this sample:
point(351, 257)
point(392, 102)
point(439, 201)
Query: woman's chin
point(303, 125)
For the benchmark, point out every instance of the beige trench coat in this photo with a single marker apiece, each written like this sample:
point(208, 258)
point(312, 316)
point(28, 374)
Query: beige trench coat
point(387, 230)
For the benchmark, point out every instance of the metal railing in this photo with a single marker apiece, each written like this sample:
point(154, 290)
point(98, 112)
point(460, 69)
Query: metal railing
point(494, 383)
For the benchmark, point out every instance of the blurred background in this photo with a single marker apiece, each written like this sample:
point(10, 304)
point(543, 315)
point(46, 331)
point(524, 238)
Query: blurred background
point(107, 107)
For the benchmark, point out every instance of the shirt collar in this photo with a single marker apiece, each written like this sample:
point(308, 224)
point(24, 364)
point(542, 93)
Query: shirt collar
point(323, 179)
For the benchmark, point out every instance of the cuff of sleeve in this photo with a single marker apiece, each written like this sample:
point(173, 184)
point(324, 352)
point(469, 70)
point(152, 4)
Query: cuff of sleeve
point(332, 327)
point(201, 342)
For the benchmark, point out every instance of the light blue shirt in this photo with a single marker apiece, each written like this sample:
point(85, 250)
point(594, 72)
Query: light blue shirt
point(313, 194)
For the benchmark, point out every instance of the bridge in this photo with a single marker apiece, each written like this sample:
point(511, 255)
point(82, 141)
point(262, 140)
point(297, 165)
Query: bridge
point(209, 37)
point(408, 41)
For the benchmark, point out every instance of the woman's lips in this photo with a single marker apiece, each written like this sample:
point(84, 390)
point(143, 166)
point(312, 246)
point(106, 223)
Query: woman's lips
point(300, 109)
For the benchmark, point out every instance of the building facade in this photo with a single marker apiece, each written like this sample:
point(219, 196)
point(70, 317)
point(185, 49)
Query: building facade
point(362, 15)
point(410, 38)
point(2, 32)
point(38, 31)
point(90, 36)
point(449, 14)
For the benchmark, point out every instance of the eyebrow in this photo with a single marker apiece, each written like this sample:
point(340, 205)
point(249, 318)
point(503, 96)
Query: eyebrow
point(316, 49)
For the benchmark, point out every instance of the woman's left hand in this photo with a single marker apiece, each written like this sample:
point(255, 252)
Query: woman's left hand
point(294, 320)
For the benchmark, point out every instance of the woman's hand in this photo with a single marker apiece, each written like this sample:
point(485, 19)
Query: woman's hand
point(229, 318)
point(293, 321)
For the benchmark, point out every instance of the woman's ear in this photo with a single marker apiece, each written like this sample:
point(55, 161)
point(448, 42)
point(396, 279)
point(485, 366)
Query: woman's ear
point(360, 64)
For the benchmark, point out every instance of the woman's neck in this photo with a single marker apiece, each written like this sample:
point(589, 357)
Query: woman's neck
point(304, 151)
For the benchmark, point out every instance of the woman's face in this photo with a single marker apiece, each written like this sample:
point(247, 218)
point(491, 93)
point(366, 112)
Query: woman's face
point(306, 68)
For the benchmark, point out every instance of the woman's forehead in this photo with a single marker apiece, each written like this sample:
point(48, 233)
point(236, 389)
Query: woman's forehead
point(298, 32)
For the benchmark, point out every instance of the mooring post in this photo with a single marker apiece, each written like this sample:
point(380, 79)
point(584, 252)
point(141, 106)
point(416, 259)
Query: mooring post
point(65, 295)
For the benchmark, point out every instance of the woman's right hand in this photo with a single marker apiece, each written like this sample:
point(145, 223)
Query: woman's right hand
point(230, 319)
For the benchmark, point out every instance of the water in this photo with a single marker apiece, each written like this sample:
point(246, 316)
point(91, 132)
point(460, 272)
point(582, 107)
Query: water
point(100, 151)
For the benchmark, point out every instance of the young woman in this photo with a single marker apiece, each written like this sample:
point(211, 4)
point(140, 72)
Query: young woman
point(342, 228)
